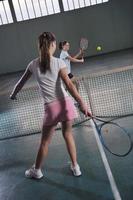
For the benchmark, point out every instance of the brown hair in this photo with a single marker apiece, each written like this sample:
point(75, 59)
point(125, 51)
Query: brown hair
point(61, 44)
point(44, 41)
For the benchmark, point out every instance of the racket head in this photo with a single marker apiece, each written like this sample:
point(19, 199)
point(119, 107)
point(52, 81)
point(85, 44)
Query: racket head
point(83, 43)
point(116, 139)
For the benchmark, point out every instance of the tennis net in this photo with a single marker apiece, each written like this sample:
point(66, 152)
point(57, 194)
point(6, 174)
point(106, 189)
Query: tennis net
point(107, 94)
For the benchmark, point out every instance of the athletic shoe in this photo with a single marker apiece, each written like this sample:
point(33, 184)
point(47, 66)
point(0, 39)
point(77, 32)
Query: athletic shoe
point(34, 173)
point(77, 105)
point(76, 170)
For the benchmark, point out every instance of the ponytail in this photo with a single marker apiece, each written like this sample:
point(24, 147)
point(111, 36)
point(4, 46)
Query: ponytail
point(61, 45)
point(45, 40)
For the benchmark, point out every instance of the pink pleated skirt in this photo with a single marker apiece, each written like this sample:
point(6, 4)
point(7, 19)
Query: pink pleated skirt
point(58, 111)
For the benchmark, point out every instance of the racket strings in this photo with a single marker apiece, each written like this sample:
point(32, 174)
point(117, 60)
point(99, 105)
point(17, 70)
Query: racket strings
point(115, 139)
point(83, 44)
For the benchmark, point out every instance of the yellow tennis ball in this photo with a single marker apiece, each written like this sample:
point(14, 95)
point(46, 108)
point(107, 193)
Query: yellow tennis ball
point(99, 48)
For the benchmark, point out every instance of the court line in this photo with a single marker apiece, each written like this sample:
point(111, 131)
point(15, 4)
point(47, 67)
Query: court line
point(113, 185)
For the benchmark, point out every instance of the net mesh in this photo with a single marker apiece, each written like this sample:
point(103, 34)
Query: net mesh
point(110, 93)
point(107, 94)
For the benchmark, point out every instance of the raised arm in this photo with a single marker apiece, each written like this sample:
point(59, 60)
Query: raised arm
point(27, 74)
point(72, 59)
point(79, 54)
point(73, 91)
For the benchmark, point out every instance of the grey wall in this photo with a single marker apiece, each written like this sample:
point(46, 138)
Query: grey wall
point(109, 25)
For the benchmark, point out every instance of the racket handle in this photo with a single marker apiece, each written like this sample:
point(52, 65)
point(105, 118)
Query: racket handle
point(82, 53)
point(88, 113)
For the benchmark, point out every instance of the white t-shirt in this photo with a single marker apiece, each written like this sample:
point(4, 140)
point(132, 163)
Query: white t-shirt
point(64, 56)
point(50, 83)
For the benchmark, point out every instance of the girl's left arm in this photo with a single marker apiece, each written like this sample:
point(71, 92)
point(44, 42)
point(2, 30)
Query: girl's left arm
point(27, 74)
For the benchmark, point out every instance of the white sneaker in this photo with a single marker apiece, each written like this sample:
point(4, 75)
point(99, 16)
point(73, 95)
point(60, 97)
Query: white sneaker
point(59, 124)
point(76, 170)
point(77, 105)
point(34, 173)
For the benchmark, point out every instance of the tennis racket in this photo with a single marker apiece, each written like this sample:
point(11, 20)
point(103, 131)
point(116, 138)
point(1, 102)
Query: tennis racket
point(115, 139)
point(83, 45)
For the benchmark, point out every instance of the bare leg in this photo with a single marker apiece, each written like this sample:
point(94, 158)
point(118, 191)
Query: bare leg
point(67, 134)
point(75, 82)
point(47, 132)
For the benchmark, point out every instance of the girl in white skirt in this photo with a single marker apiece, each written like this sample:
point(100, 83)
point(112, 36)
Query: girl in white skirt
point(49, 72)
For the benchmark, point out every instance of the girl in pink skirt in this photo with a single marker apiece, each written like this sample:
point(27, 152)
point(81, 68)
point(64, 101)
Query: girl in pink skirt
point(49, 72)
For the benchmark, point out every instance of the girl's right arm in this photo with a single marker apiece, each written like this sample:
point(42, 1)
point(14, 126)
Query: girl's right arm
point(72, 59)
point(27, 74)
point(73, 91)
point(79, 54)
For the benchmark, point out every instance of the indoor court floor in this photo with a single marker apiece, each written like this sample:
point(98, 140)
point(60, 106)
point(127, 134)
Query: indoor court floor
point(58, 183)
